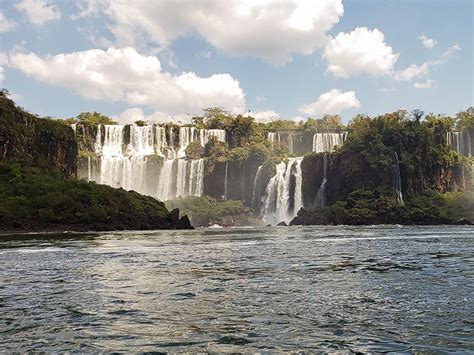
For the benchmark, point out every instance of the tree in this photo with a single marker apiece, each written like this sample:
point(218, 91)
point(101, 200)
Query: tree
point(417, 114)
point(141, 123)
point(465, 119)
point(94, 118)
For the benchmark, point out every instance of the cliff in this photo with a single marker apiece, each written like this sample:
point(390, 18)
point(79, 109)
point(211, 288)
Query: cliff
point(39, 189)
point(365, 162)
point(362, 177)
point(36, 141)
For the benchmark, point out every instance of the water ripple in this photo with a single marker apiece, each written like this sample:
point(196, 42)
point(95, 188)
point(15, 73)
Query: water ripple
point(329, 289)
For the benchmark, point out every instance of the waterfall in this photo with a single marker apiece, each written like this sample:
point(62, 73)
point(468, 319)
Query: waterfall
point(149, 162)
point(321, 195)
point(141, 141)
point(113, 140)
point(460, 142)
point(89, 168)
point(273, 137)
point(74, 126)
point(160, 141)
point(225, 179)
point(282, 138)
point(397, 180)
point(98, 140)
point(325, 142)
point(283, 195)
point(256, 188)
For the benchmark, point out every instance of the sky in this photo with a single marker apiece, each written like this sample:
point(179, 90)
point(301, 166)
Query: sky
point(167, 60)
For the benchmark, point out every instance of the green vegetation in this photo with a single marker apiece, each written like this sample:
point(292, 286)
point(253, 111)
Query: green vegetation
point(380, 207)
point(205, 211)
point(465, 119)
point(194, 150)
point(92, 118)
point(141, 123)
point(426, 161)
point(31, 198)
point(32, 140)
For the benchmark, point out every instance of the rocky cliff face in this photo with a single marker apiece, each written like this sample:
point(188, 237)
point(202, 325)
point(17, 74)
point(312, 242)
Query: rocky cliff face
point(236, 180)
point(36, 141)
point(426, 162)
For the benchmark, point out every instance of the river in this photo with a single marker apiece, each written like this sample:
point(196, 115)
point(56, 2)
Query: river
point(348, 289)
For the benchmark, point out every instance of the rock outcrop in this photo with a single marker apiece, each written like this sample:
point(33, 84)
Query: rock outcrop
point(36, 141)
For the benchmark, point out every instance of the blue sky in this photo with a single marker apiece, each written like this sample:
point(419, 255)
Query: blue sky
point(167, 60)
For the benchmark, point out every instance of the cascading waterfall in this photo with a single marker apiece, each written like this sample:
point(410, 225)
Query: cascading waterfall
point(225, 179)
point(256, 187)
point(325, 142)
point(321, 195)
point(397, 180)
point(134, 166)
point(283, 195)
point(460, 142)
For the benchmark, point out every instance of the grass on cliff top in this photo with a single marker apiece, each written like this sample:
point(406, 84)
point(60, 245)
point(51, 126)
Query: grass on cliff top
point(31, 198)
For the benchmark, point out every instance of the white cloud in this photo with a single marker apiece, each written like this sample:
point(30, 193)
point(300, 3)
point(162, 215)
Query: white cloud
point(3, 61)
point(260, 98)
point(272, 30)
point(332, 102)
point(428, 84)
point(6, 25)
point(412, 71)
point(362, 51)
point(427, 42)
point(134, 114)
point(39, 11)
point(265, 116)
point(125, 75)
point(451, 50)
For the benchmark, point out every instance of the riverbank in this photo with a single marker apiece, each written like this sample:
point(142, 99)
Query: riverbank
point(32, 199)
point(374, 207)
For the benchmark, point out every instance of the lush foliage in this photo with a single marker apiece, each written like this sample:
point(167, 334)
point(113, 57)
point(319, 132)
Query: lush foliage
point(31, 198)
point(380, 207)
point(194, 150)
point(90, 118)
point(205, 211)
point(27, 138)
point(421, 147)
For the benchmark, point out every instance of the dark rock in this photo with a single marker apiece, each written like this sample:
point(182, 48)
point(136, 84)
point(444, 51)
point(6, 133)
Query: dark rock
point(282, 224)
point(184, 223)
point(173, 215)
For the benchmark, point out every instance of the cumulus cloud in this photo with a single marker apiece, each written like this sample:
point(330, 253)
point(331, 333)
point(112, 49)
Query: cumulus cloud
point(265, 116)
point(428, 84)
point(412, 71)
point(427, 42)
point(362, 51)
point(39, 12)
point(123, 74)
point(134, 114)
point(332, 102)
point(271, 30)
point(3, 61)
point(6, 25)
